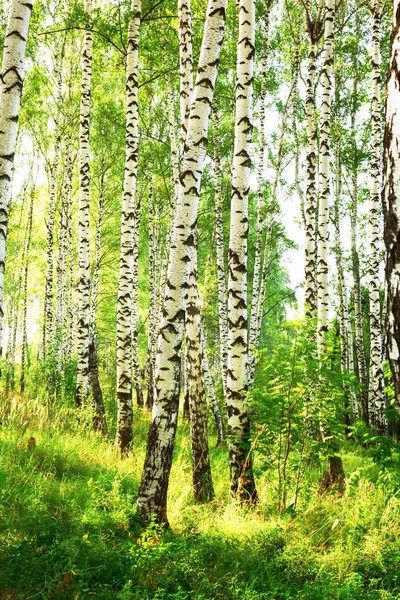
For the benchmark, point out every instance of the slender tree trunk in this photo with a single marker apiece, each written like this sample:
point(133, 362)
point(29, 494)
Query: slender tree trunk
point(186, 66)
point(61, 290)
point(82, 382)
point(153, 308)
point(11, 82)
point(135, 298)
point(343, 316)
point(71, 333)
point(160, 444)
point(335, 474)
point(220, 257)
point(310, 207)
point(376, 377)
point(241, 471)
point(27, 242)
point(99, 413)
point(359, 337)
point(391, 204)
point(49, 322)
point(268, 233)
point(201, 469)
point(125, 288)
point(212, 398)
point(324, 178)
point(260, 204)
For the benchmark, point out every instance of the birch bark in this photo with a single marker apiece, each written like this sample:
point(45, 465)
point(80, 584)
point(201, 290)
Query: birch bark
point(82, 382)
point(11, 83)
point(125, 288)
point(160, 444)
point(376, 376)
point(324, 177)
point(241, 471)
point(391, 204)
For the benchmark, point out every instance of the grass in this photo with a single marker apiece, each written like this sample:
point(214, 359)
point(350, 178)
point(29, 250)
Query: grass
point(68, 527)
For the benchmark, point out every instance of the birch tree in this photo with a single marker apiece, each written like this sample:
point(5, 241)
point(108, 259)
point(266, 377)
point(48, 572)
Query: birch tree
point(391, 204)
point(125, 288)
point(241, 472)
point(82, 381)
point(324, 177)
point(376, 374)
point(152, 497)
point(11, 83)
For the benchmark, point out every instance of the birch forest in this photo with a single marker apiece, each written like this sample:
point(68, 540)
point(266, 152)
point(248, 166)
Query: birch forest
point(200, 299)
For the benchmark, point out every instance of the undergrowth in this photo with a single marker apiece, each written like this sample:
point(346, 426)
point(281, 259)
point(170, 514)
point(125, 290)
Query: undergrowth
point(68, 527)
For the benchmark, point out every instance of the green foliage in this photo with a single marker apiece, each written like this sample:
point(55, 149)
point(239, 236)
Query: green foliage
point(69, 530)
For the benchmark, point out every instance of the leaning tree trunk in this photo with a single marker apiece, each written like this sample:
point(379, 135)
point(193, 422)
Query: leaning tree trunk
point(240, 464)
point(201, 468)
point(99, 413)
point(125, 288)
point(160, 444)
point(391, 205)
point(48, 325)
point(82, 381)
point(11, 82)
point(376, 400)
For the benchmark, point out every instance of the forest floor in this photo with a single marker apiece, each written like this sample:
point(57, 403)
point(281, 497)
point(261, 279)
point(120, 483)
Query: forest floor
point(68, 527)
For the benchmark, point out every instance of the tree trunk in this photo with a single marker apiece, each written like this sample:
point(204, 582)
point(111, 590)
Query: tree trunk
point(240, 463)
point(153, 308)
point(310, 205)
point(201, 469)
point(160, 444)
point(391, 203)
point(359, 337)
point(82, 383)
point(11, 82)
point(99, 413)
point(219, 423)
point(376, 398)
point(137, 379)
point(220, 258)
point(323, 185)
point(260, 204)
point(125, 288)
point(49, 322)
point(27, 242)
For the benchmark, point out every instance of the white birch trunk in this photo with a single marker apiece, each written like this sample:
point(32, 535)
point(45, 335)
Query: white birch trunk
point(241, 473)
point(11, 82)
point(220, 259)
point(391, 205)
point(49, 321)
point(376, 377)
point(82, 381)
point(154, 484)
point(125, 288)
point(260, 205)
point(324, 177)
